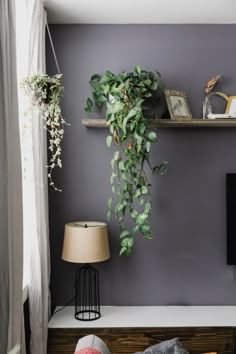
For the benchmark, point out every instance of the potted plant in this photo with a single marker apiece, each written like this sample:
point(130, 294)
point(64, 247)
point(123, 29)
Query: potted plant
point(45, 93)
point(125, 96)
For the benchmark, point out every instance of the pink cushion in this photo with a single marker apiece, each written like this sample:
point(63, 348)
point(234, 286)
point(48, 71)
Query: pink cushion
point(88, 351)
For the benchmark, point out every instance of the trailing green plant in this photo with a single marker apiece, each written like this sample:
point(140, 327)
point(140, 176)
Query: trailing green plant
point(124, 96)
point(45, 93)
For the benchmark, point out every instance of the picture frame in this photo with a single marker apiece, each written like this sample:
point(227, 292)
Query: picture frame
point(231, 105)
point(177, 104)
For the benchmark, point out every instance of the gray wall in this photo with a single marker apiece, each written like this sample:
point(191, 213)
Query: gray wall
point(186, 262)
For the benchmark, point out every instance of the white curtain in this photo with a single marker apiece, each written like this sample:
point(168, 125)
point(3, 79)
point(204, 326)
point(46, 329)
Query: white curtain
point(39, 260)
point(35, 188)
point(11, 219)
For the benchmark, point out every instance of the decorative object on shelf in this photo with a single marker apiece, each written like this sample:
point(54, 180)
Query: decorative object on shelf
point(124, 95)
point(207, 105)
point(230, 111)
point(231, 106)
point(45, 93)
point(178, 105)
point(86, 242)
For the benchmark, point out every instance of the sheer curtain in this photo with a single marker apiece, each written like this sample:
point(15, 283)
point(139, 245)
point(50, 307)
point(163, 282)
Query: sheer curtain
point(35, 188)
point(39, 255)
point(11, 228)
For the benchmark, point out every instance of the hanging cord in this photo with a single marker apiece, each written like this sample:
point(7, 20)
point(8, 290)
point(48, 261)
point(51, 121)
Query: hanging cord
point(51, 42)
point(42, 12)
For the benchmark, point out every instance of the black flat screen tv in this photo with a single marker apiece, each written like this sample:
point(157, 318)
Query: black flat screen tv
point(231, 217)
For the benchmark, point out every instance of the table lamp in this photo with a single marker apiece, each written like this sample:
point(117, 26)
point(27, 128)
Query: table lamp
point(86, 242)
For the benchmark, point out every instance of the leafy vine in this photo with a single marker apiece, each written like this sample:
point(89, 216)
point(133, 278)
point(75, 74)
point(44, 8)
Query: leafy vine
point(125, 96)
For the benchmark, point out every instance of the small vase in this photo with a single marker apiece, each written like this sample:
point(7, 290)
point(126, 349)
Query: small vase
point(206, 107)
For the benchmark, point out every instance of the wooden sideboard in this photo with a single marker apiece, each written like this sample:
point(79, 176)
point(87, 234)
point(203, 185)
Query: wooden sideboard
point(131, 329)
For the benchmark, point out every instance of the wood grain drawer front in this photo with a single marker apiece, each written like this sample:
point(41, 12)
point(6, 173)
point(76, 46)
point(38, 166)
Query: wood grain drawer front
point(130, 340)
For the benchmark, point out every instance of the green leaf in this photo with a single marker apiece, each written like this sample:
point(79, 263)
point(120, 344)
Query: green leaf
point(119, 207)
point(113, 175)
point(131, 242)
point(144, 190)
point(139, 138)
point(151, 75)
point(141, 218)
point(124, 233)
point(113, 163)
point(148, 234)
point(137, 69)
point(121, 166)
point(134, 213)
point(125, 242)
point(141, 202)
point(154, 86)
point(116, 155)
point(109, 140)
point(108, 215)
point(147, 207)
point(100, 98)
point(118, 106)
point(163, 168)
point(132, 126)
point(142, 128)
point(148, 146)
point(135, 229)
point(113, 189)
point(120, 218)
point(87, 109)
point(123, 249)
point(129, 187)
point(145, 228)
point(131, 114)
point(105, 88)
point(89, 102)
point(109, 203)
point(95, 77)
point(137, 193)
point(138, 147)
point(127, 251)
point(152, 137)
point(106, 77)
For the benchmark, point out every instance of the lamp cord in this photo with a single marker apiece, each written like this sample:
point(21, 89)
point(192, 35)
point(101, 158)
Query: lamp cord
point(62, 308)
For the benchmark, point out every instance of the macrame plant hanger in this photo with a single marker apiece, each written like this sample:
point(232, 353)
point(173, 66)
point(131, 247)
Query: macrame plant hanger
point(51, 43)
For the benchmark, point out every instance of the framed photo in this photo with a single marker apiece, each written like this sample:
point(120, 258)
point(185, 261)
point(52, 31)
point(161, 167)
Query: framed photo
point(178, 104)
point(231, 105)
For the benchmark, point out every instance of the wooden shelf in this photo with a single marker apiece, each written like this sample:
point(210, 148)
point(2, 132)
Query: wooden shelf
point(149, 317)
point(170, 123)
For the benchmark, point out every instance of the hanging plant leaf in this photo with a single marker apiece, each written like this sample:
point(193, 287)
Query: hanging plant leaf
point(152, 137)
point(137, 69)
point(124, 233)
point(109, 140)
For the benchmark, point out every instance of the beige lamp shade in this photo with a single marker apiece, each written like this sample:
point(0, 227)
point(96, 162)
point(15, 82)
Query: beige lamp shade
point(85, 242)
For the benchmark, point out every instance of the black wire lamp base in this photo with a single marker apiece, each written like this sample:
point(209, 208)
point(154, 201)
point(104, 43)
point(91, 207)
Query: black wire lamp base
point(87, 300)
